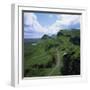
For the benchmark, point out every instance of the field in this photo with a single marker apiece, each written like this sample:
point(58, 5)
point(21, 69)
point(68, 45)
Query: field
point(55, 55)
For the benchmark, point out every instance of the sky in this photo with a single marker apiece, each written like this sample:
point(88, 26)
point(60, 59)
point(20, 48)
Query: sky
point(36, 24)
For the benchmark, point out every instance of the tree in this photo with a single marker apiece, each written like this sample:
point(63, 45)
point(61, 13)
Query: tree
point(59, 33)
point(75, 40)
point(71, 65)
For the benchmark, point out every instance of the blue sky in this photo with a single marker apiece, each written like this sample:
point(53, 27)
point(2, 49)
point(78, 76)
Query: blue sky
point(38, 24)
point(46, 19)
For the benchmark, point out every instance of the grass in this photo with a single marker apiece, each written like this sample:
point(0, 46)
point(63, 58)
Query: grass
point(40, 59)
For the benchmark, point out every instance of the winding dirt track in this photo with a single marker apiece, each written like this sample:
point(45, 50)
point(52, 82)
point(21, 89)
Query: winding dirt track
point(57, 63)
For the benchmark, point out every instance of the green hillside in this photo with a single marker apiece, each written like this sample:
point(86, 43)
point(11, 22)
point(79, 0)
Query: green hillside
point(53, 55)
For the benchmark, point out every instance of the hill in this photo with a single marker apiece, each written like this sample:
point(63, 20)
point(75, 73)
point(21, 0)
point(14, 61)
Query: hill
point(41, 59)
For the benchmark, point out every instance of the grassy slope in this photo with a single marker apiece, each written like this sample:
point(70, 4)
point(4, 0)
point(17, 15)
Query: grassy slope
point(38, 58)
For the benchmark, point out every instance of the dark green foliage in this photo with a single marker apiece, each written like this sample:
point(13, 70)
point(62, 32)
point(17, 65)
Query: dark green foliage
point(45, 37)
point(71, 66)
point(75, 40)
point(59, 33)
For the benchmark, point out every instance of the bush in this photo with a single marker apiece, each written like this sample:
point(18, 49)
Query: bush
point(71, 66)
point(75, 40)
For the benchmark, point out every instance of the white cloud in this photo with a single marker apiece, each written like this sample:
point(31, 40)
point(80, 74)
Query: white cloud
point(68, 19)
point(62, 22)
point(33, 27)
point(51, 16)
point(54, 28)
point(29, 18)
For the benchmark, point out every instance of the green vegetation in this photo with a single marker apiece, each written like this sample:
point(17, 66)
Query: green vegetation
point(53, 55)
